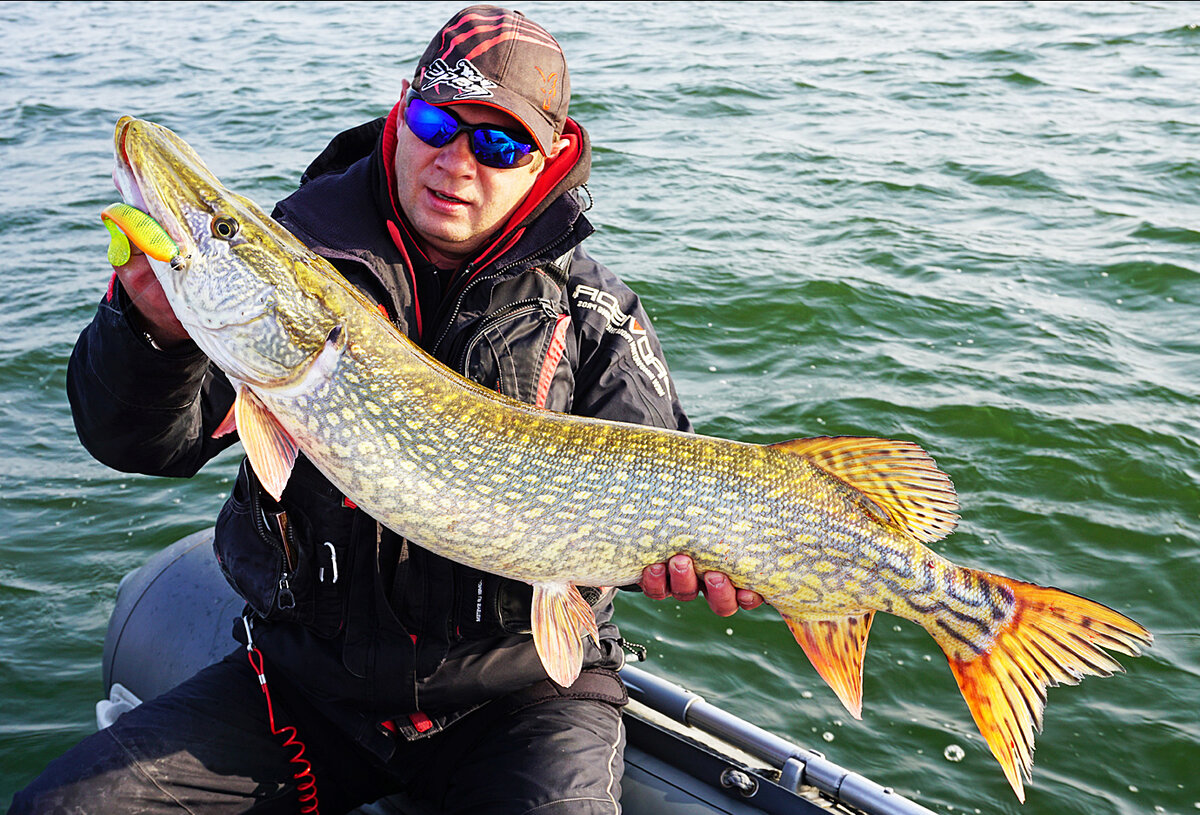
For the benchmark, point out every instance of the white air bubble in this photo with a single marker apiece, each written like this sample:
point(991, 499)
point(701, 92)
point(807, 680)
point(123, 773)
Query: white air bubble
point(954, 753)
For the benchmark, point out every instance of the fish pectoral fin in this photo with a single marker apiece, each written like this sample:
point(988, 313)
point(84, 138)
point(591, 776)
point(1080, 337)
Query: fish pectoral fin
point(271, 449)
point(898, 478)
point(835, 648)
point(561, 619)
point(228, 424)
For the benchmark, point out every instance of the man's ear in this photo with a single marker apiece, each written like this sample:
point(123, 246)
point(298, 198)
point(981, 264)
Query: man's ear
point(559, 146)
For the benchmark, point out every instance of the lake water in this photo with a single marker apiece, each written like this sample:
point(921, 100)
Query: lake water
point(971, 225)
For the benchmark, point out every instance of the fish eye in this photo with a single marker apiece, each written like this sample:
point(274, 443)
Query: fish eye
point(224, 227)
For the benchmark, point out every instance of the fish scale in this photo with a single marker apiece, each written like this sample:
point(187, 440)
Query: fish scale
point(464, 482)
point(828, 530)
point(583, 475)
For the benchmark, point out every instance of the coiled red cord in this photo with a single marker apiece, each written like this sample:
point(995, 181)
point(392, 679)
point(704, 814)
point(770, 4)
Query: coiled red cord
point(306, 782)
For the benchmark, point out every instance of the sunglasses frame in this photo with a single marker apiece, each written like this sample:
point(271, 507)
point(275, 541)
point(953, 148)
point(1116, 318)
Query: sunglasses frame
point(519, 137)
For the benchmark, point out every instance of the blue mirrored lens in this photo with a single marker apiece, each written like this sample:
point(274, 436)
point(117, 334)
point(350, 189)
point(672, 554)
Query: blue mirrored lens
point(432, 126)
point(495, 148)
point(492, 146)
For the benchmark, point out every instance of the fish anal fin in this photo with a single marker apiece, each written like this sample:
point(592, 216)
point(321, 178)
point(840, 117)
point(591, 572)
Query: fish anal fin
point(836, 647)
point(271, 449)
point(898, 478)
point(1051, 637)
point(561, 619)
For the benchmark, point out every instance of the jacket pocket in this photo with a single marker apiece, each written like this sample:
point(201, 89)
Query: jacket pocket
point(487, 605)
point(269, 556)
point(517, 351)
point(253, 556)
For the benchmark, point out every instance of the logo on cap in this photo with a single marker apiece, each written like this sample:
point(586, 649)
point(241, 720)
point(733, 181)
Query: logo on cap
point(464, 78)
point(549, 87)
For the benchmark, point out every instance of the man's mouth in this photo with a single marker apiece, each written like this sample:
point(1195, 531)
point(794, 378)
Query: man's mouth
point(445, 196)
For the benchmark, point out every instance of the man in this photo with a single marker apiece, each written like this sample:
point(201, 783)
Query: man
point(395, 669)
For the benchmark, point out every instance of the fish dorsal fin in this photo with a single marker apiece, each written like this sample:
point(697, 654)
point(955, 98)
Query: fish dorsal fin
point(271, 449)
point(836, 648)
point(898, 477)
point(561, 619)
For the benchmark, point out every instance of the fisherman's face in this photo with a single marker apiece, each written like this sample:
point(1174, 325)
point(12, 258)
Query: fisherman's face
point(452, 201)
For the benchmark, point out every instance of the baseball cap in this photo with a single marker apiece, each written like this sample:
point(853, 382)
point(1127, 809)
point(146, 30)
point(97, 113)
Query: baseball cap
point(498, 57)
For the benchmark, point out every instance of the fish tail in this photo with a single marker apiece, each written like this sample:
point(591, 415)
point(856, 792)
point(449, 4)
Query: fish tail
point(1048, 637)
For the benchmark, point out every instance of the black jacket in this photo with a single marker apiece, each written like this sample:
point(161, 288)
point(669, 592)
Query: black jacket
point(372, 627)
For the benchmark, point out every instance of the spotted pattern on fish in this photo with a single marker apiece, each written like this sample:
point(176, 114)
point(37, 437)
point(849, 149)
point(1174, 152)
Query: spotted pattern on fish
point(828, 530)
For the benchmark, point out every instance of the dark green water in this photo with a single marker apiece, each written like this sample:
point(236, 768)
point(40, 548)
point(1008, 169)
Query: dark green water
point(974, 226)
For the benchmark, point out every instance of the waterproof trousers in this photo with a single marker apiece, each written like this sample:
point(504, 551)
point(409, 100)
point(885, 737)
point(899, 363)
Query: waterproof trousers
point(206, 747)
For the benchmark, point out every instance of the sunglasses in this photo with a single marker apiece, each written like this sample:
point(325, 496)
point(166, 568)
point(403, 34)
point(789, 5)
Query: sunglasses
point(492, 146)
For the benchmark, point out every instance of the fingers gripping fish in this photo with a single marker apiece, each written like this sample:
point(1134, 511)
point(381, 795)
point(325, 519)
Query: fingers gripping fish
point(828, 530)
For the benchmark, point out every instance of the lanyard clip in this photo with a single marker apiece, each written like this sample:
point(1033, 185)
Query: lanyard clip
point(249, 637)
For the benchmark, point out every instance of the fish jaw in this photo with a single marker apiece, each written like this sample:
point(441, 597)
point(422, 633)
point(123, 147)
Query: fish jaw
point(225, 285)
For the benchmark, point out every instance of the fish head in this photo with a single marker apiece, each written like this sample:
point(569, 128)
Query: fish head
point(246, 290)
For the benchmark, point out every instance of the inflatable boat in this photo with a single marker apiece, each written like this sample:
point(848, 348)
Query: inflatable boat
point(685, 756)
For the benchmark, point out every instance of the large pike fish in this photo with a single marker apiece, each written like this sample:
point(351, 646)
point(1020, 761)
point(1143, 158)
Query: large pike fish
point(828, 530)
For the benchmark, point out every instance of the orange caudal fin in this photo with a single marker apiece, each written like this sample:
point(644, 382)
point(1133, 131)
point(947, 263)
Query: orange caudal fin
point(836, 647)
point(1051, 638)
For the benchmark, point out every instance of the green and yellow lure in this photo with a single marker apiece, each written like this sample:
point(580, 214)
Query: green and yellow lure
point(126, 223)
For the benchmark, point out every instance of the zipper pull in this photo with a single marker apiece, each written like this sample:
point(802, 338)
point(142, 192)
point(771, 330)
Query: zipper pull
point(286, 599)
point(332, 563)
point(285, 537)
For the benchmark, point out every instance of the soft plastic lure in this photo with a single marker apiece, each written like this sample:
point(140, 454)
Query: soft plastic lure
point(126, 223)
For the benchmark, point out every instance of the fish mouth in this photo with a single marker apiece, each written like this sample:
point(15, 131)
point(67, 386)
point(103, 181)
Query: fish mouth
point(135, 188)
point(160, 174)
point(123, 175)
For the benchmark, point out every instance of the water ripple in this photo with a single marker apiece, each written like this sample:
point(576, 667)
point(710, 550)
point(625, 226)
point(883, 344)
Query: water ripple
point(969, 225)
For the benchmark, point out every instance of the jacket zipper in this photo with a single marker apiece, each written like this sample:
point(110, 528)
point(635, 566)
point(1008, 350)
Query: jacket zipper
point(284, 598)
point(467, 270)
point(519, 308)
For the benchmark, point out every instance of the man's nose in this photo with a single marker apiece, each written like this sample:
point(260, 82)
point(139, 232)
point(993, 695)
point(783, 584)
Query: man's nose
point(456, 156)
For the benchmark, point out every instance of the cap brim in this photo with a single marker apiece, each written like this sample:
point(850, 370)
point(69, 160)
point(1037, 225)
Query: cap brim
point(511, 103)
